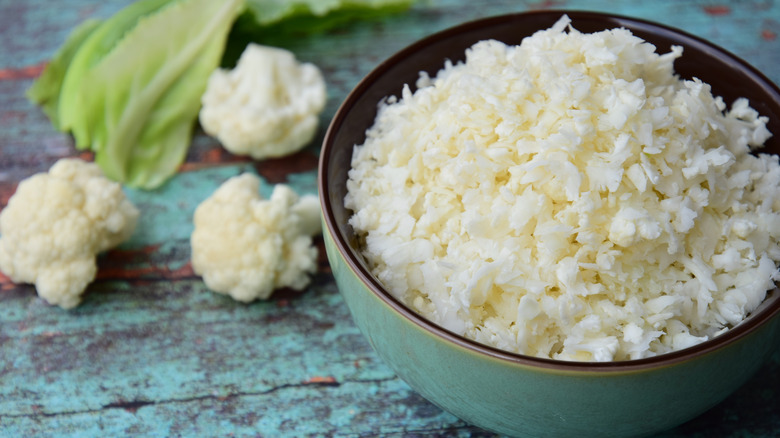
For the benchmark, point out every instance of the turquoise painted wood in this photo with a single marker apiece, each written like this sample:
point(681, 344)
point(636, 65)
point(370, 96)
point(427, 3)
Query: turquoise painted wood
point(152, 352)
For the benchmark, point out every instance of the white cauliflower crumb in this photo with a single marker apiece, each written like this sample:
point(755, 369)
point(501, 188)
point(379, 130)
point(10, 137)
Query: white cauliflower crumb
point(56, 223)
point(247, 247)
point(267, 106)
point(569, 198)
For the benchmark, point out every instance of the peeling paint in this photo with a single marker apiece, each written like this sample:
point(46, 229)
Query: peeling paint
point(27, 72)
point(717, 10)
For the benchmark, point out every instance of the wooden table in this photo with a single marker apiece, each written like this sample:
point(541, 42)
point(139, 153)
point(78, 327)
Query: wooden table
point(152, 352)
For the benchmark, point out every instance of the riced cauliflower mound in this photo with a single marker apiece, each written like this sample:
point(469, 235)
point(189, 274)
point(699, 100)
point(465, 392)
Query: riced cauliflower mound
point(569, 198)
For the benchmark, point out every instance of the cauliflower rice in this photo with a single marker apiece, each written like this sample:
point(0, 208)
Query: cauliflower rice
point(569, 198)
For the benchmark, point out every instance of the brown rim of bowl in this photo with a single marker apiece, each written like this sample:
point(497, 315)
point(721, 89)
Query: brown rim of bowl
point(765, 312)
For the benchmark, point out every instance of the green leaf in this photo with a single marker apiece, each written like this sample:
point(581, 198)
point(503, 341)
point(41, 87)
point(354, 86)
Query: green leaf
point(45, 91)
point(141, 100)
point(129, 87)
point(93, 49)
point(267, 20)
point(319, 13)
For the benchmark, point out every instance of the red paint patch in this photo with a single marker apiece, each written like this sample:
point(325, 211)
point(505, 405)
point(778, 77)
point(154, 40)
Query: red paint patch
point(7, 190)
point(184, 272)
point(130, 254)
point(323, 264)
point(768, 35)
point(151, 272)
point(114, 266)
point(192, 166)
point(13, 117)
point(29, 72)
point(86, 155)
point(129, 273)
point(213, 155)
point(717, 10)
point(275, 170)
point(321, 379)
point(51, 334)
point(545, 4)
point(6, 283)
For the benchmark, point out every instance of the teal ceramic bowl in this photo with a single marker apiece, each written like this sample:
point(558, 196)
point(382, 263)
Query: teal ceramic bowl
point(514, 394)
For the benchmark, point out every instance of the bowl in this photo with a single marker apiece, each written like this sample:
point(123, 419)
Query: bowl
point(510, 393)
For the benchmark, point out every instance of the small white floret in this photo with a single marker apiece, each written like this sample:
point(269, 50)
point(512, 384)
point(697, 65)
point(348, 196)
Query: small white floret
point(247, 247)
point(267, 106)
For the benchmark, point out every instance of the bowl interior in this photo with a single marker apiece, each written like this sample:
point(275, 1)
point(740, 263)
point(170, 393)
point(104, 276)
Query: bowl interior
point(729, 76)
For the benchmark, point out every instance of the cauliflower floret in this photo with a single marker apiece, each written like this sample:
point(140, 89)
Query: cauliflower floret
point(246, 247)
point(268, 106)
point(55, 225)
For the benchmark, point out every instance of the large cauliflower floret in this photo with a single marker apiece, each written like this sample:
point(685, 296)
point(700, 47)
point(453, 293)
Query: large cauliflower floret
point(55, 225)
point(268, 106)
point(247, 247)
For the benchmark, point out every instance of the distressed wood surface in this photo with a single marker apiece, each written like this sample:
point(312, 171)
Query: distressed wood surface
point(151, 352)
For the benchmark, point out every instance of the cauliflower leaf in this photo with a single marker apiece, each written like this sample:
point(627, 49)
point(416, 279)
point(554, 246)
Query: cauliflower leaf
point(129, 87)
point(266, 20)
point(144, 96)
point(45, 91)
point(94, 47)
point(319, 14)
